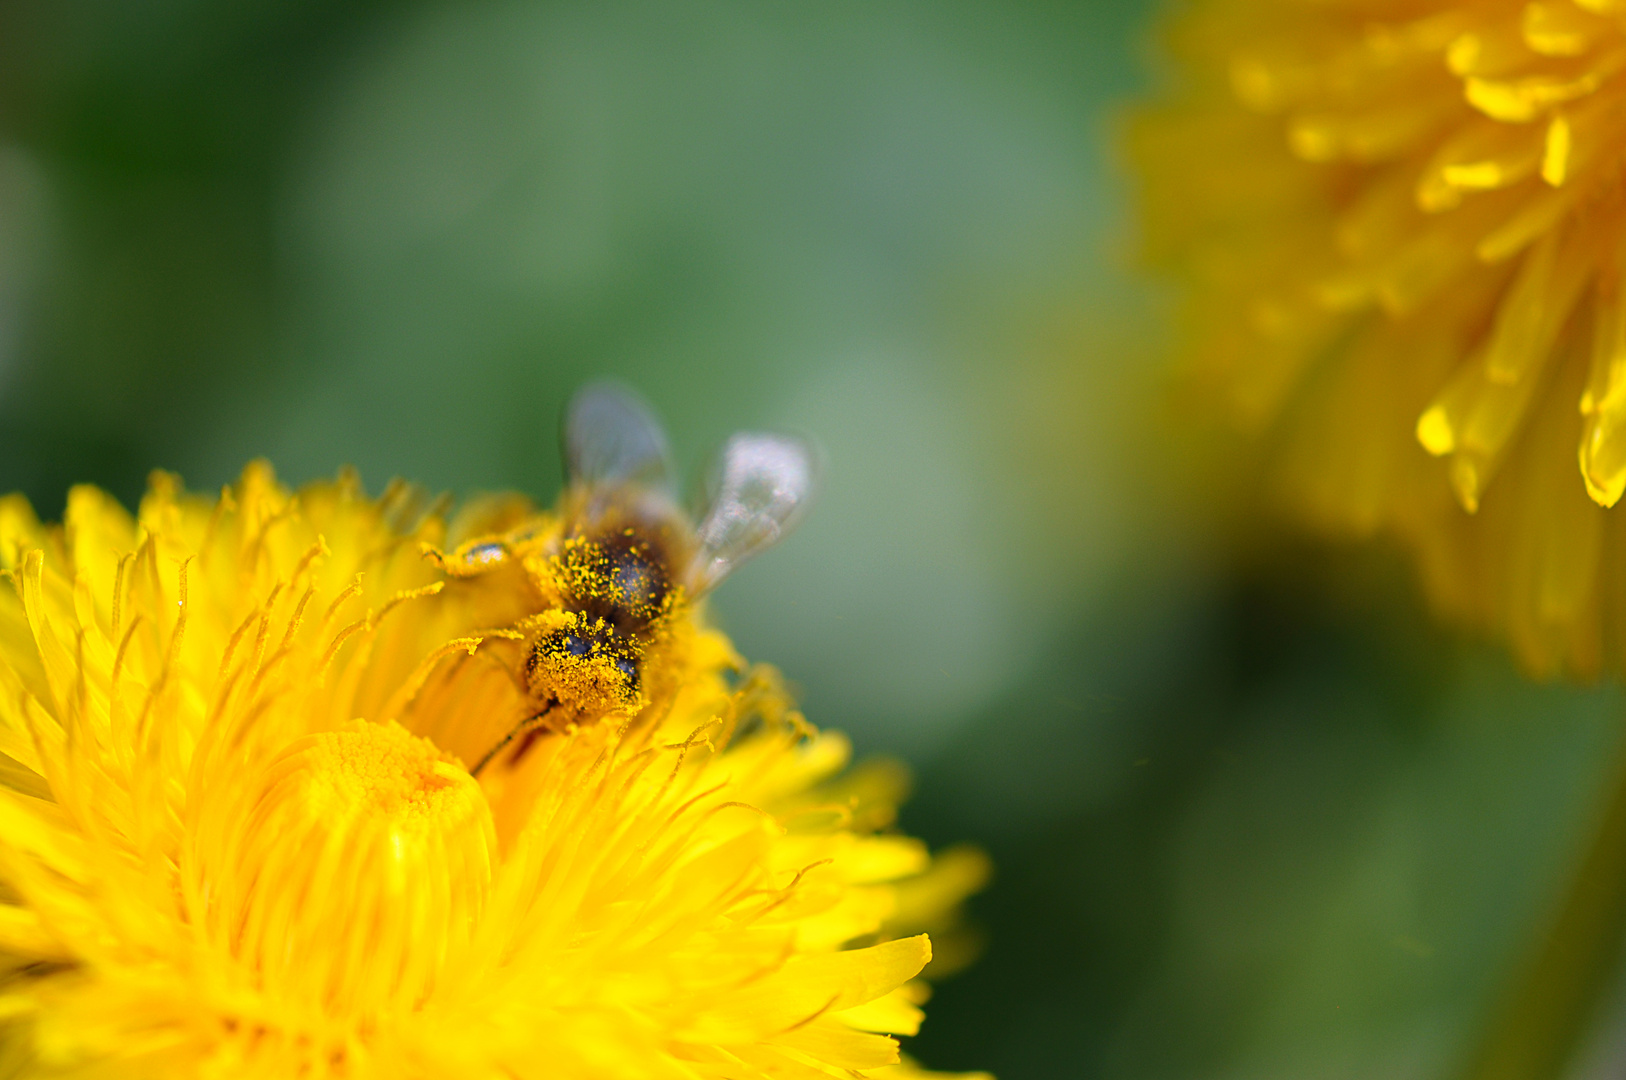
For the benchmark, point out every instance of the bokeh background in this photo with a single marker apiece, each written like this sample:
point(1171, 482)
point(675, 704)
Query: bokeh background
point(1254, 814)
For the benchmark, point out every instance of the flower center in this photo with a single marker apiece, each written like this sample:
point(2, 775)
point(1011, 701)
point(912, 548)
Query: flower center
point(362, 864)
point(386, 773)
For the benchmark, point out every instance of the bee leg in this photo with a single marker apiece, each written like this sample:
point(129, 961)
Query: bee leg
point(527, 724)
point(525, 745)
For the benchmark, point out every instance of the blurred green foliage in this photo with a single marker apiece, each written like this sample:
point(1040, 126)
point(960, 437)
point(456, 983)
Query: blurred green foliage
point(1247, 824)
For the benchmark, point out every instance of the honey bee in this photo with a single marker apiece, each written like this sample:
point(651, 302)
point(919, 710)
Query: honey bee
point(620, 567)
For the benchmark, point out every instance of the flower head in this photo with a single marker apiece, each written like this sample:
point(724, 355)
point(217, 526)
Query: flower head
point(1403, 224)
point(238, 837)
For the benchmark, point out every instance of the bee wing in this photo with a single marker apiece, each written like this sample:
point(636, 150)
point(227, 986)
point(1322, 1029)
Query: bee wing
point(610, 435)
point(759, 488)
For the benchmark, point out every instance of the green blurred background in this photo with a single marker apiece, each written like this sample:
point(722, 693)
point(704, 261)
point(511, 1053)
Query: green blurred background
point(1251, 819)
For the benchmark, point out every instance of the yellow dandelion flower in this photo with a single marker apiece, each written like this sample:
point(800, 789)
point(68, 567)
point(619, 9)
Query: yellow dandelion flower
point(1403, 224)
point(238, 836)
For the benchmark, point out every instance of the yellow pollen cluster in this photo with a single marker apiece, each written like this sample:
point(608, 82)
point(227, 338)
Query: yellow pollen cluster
point(384, 770)
point(1402, 228)
point(372, 827)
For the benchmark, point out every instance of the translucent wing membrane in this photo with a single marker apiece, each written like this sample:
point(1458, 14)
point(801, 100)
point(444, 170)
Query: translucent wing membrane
point(612, 436)
point(759, 488)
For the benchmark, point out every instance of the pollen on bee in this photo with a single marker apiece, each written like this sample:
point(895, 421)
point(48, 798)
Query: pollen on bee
point(471, 558)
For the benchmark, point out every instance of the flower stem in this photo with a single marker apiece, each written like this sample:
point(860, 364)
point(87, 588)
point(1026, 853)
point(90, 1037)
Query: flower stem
point(1553, 997)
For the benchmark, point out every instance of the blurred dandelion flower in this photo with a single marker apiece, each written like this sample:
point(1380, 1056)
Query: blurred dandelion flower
point(1404, 222)
point(237, 837)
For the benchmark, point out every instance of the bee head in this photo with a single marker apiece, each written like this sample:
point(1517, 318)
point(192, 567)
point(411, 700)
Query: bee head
point(584, 662)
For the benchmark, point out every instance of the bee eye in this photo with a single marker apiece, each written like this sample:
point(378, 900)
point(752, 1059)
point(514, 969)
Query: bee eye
point(572, 645)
